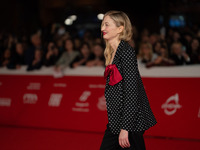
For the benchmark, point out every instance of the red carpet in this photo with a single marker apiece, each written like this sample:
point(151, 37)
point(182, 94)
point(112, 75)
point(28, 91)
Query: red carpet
point(42, 139)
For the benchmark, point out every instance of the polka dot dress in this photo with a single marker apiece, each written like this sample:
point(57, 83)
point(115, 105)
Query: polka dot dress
point(127, 103)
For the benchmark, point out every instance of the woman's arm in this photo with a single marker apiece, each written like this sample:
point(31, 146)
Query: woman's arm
point(130, 88)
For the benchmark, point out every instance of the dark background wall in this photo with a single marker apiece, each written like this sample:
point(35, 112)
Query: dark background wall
point(21, 16)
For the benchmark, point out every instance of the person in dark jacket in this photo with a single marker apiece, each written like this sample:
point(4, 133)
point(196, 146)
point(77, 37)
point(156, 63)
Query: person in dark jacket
point(179, 55)
point(52, 54)
point(128, 108)
point(17, 58)
point(37, 61)
point(83, 57)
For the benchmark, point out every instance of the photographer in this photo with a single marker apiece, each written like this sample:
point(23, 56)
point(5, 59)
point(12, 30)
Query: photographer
point(52, 54)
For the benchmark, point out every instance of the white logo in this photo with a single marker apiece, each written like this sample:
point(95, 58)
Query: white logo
point(171, 105)
point(85, 96)
point(101, 86)
point(5, 102)
point(55, 100)
point(82, 105)
point(199, 113)
point(101, 103)
point(33, 86)
point(30, 98)
point(63, 85)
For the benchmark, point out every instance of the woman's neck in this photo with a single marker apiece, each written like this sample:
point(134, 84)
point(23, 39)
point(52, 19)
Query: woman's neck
point(114, 43)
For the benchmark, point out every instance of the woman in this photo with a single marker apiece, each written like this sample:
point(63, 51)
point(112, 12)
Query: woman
point(82, 59)
point(97, 59)
point(146, 53)
point(67, 57)
point(128, 110)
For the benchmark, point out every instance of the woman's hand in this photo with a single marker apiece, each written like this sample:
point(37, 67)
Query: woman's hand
point(123, 139)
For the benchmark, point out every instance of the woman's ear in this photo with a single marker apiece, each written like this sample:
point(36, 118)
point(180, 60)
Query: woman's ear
point(120, 29)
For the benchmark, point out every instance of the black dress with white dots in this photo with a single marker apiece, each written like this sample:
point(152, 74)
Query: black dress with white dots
point(127, 103)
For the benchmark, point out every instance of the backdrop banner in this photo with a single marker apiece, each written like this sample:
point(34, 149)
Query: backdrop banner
point(78, 103)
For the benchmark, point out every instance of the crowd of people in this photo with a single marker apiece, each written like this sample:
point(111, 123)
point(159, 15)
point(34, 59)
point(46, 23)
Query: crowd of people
point(59, 48)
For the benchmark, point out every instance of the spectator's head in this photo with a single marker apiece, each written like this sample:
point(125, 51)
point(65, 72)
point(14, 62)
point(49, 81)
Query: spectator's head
point(85, 49)
point(50, 46)
point(98, 50)
point(144, 38)
point(36, 40)
point(176, 48)
point(38, 54)
point(7, 53)
point(157, 47)
point(176, 36)
point(195, 44)
point(188, 37)
point(153, 38)
point(164, 51)
point(145, 50)
point(19, 49)
point(69, 45)
point(77, 43)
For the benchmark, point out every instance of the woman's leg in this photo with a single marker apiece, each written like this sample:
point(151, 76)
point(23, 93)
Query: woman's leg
point(136, 140)
point(110, 141)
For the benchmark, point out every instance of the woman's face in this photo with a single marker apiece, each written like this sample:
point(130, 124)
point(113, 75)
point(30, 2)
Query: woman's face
point(19, 48)
point(85, 50)
point(157, 47)
point(145, 49)
point(177, 49)
point(68, 45)
point(109, 29)
point(195, 44)
point(98, 51)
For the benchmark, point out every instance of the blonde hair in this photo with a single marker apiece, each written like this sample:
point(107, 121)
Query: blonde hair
point(149, 46)
point(120, 19)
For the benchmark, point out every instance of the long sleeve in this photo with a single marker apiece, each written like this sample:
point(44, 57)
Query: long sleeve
point(130, 88)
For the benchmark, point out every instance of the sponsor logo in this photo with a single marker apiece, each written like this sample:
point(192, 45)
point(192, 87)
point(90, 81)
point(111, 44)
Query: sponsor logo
point(55, 100)
point(63, 85)
point(30, 98)
point(199, 113)
point(5, 102)
point(171, 105)
point(82, 105)
point(33, 86)
point(101, 103)
point(101, 86)
point(84, 96)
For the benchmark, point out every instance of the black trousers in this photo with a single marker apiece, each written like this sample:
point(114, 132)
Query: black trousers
point(111, 141)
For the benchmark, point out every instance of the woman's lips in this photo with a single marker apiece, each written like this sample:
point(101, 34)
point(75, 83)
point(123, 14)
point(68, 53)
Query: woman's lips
point(104, 33)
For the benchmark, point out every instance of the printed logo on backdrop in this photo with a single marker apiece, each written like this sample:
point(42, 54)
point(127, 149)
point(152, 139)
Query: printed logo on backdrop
point(55, 100)
point(30, 98)
point(33, 86)
point(82, 105)
point(101, 103)
point(101, 86)
point(5, 102)
point(171, 105)
point(199, 113)
point(62, 85)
